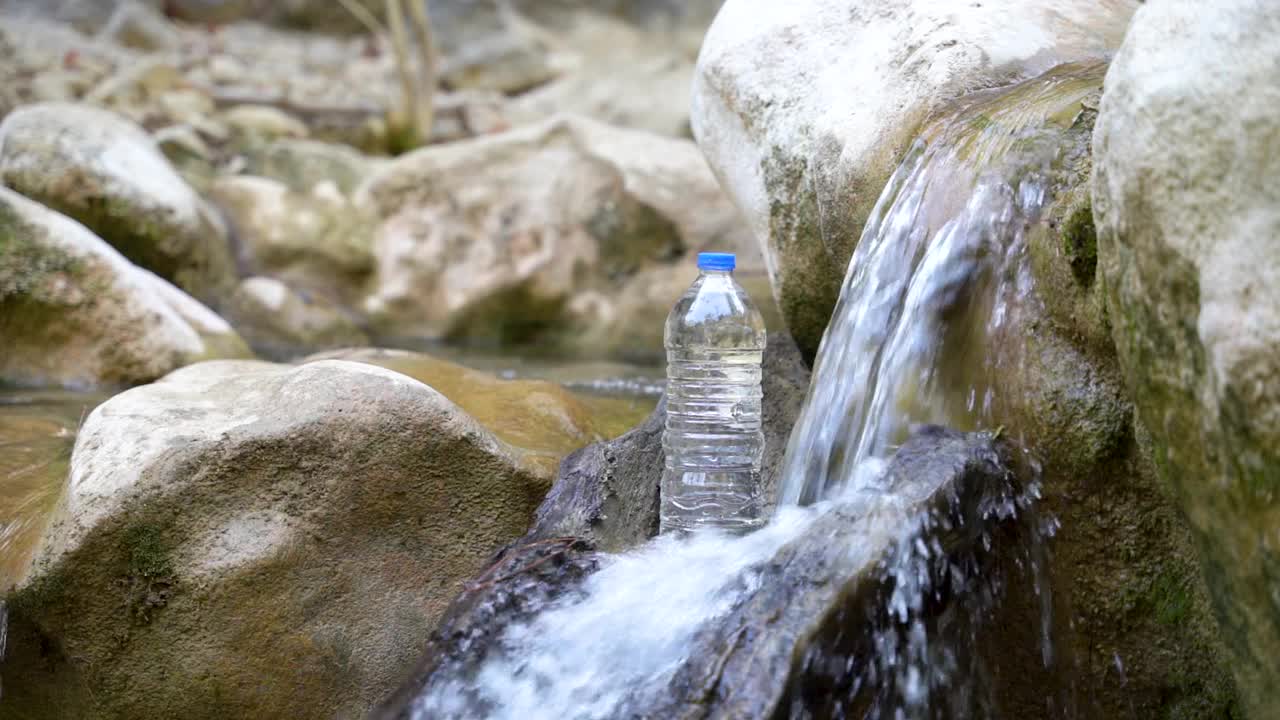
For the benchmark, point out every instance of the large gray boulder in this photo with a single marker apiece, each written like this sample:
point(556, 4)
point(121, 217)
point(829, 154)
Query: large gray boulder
point(1188, 218)
point(1123, 569)
point(75, 313)
point(106, 172)
point(532, 233)
point(247, 539)
point(805, 109)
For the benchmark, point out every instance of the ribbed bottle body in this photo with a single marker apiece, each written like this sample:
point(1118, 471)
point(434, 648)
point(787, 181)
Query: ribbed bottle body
point(713, 441)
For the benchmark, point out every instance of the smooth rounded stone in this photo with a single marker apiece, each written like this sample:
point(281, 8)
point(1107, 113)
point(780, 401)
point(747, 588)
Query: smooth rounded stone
point(57, 87)
point(804, 110)
point(136, 90)
point(244, 539)
point(316, 241)
point(75, 313)
point(1188, 216)
point(106, 172)
point(607, 494)
point(263, 122)
point(489, 239)
point(279, 322)
point(303, 164)
point(191, 156)
point(190, 106)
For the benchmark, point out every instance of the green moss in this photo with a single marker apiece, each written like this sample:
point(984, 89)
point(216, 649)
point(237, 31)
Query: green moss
point(1170, 601)
point(1080, 243)
point(45, 591)
point(809, 281)
point(401, 136)
point(149, 578)
point(26, 265)
point(148, 556)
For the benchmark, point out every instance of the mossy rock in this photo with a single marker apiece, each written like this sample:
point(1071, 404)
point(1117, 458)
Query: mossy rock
point(76, 313)
point(280, 545)
point(1185, 203)
point(104, 171)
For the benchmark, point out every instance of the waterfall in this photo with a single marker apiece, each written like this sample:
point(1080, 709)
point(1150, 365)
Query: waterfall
point(939, 277)
point(940, 272)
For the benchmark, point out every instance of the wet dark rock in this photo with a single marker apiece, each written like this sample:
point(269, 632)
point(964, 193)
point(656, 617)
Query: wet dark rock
point(522, 579)
point(607, 493)
point(773, 654)
point(810, 640)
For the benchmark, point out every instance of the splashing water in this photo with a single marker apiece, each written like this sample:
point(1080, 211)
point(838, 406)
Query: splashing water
point(581, 656)
point(940, 272)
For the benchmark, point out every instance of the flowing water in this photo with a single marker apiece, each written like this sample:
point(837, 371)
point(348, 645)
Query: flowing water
point(37, 429)
point(940, 275)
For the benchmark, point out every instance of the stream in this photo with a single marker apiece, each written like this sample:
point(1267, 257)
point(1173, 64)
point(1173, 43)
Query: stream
point(941, 271)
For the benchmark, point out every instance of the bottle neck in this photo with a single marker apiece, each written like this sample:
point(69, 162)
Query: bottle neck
point(715, 273)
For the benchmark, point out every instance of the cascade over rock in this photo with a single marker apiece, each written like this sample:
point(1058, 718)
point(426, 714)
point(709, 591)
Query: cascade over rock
point(804, 109)
point(824, 581)
point(993, 195)
point(1187, 205)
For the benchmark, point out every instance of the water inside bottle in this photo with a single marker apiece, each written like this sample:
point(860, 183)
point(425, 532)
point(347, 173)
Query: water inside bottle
point(713, 440)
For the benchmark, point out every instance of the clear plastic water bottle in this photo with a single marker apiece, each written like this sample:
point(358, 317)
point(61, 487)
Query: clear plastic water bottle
point(715, 341)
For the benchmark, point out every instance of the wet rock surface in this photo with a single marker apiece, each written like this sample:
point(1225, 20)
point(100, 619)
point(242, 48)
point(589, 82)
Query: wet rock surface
point(1187, 218)
point(754, 660)
point(805, 111)
point(812, 640)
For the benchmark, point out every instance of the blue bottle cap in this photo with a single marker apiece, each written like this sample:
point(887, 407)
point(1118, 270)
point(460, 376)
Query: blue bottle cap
point(716, 261)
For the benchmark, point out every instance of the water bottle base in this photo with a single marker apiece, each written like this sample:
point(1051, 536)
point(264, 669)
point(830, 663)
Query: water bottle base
point(685, 526)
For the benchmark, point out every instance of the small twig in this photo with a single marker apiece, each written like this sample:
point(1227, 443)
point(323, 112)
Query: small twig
point(400, 49)
point(565, 543)
point(366, 18)
point(426, 69)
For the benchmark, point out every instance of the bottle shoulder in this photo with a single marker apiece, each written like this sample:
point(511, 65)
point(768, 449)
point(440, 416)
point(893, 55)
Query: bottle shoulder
point(715, 310)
